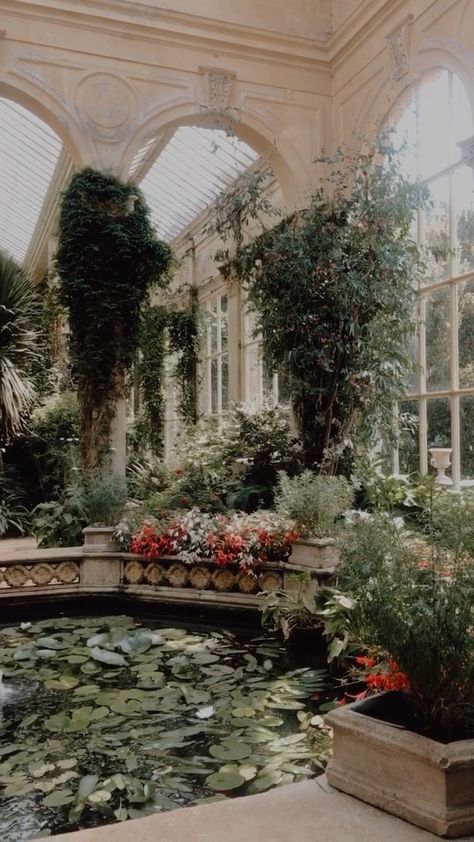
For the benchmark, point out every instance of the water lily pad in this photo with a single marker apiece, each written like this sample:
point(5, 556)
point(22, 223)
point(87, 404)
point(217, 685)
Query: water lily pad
point(59, 798)
point(224, 781)
point(104, 656)
point(230, 750)
point(51, 643)
point(65, 682)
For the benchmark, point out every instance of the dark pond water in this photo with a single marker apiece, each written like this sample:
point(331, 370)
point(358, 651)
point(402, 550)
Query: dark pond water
point(105, 719)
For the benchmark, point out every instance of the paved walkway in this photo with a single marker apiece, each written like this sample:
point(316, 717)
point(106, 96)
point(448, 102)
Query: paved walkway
point(307, 812)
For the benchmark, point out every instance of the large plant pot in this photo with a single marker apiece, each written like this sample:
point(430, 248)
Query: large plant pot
point(98, 539)
point(315, 553)
point(428, 783)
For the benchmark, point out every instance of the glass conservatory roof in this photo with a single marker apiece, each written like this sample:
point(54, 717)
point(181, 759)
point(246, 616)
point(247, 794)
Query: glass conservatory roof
point(195, 166)
point(192, 169)
point(29, 151)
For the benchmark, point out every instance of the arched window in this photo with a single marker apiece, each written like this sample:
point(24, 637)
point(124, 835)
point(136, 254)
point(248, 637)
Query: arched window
point(439, 410)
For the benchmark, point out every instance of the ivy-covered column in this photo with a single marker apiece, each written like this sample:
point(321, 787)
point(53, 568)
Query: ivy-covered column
point(108, 259)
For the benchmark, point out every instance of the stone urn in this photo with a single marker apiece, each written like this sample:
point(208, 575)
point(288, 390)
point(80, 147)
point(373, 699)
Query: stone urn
point(315, 554)
point(380, 761)
point(98, 539)
point(441, 460)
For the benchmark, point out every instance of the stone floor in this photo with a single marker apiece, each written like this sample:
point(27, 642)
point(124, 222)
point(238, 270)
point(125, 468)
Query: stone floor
point(307, 812)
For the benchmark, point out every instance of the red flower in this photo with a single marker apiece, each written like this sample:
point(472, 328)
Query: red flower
point(368, 663)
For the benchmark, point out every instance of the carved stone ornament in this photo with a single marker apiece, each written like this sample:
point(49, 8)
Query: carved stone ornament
point(467, 151)
point(398, 44)
point(219, 86)
point(105, 100)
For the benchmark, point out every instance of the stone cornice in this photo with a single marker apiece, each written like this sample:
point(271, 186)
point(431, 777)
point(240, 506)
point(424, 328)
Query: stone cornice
point(370, 16)
point(145, 23)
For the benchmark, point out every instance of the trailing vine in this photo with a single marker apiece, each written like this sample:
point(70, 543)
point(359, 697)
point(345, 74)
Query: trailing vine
point(107, 260)
point(152, 372)
point(184, 340)
point(332, 289)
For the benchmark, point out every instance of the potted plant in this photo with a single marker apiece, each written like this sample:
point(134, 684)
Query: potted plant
point(410, 751)
point(105, 496)
point(314, 502)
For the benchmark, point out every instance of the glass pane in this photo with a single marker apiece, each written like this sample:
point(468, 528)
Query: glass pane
point(438, 342)
point(405, 137)
point(267, 377)
point(434, 123)
point(225, 382)
point(463, 198)
point(252, 373)
point(213, 327)
point(467, 437)
point(461, 115)
point(439, 423)
point(214, 385)
point(224, 323)
point(466, 335)
point(436, 232)
point(409, 451)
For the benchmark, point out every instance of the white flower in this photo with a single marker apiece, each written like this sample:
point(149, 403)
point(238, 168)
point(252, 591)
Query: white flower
point(205, 713)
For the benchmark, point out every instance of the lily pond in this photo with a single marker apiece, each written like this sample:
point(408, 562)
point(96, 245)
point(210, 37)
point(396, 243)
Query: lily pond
point(106, 719)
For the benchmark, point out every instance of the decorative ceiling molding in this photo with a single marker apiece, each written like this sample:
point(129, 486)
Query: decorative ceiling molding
point(398, 41)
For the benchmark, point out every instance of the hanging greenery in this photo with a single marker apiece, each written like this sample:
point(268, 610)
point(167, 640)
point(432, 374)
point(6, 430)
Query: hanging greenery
point(108, 259)
point(332, 289)
point(184, 341)
point(152, 373)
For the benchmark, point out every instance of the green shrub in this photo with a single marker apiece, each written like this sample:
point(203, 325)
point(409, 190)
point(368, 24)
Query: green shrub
point(14, 518)
point(314, 501)
point(59, 523)
point(417, 609)
point(105, 496)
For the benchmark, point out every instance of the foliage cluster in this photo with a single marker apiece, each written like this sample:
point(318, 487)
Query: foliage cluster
point(344, 269)
point(108, 259)
point(417, 607)
point(314, 501)
point(97, 499)
point(44, 455)
point(226, 538)
point(19, 349)
point(235, 466)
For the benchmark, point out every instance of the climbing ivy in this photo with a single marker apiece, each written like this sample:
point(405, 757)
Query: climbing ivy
point(166, 332)
point(184, 341)
point(108, 259)
point(152, 372)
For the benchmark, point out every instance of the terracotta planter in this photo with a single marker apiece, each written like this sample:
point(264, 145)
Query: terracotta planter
point(98, 539)
point(315, 553)
point(428, 783)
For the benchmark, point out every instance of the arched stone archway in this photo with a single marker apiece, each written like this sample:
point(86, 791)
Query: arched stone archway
point(391, 92)
point(51, 112)
point(268, 141)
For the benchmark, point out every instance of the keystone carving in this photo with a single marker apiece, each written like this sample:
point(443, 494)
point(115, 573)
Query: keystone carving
point(219, 87)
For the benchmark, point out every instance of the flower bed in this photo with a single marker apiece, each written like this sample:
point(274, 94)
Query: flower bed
point(233, 538)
